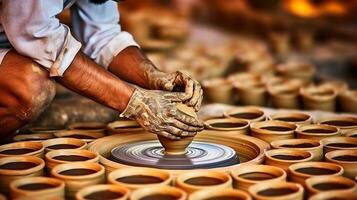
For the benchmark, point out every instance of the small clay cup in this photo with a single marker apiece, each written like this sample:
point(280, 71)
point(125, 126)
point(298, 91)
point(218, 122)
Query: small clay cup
point(33, 137)
point(297, 70)
point(78, 175)
point(19, 167)
point(352, 133)
point(244, 77)
point(252, 114)
point(319, 184)
point(317, 98)
point(279, 43)
point(344, 122)
point(348, 101)
point(231, 125)
point(283, 158)
point(220, 194)
point(22, 149)
point(312, 146)
point(138, 177)
point(195, 180)
point(272, 130)
point(35, 187)
point(277, 191)
point(299, 172)
point(218, 90)
point(316, 132)
point(123, 126)
point(103, 191)
point(80, 134)
point(335, 194)
point(294, 117)
point(89, 126)
point(339, 86)
point(247, 175)
point(64, 143)
point(158, 192)
point(339, 143)
point(56, 157)
point(284, 96)
point(251, 92)
point(346, 158)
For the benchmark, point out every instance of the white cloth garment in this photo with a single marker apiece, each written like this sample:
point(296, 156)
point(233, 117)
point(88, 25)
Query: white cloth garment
point(32, 29)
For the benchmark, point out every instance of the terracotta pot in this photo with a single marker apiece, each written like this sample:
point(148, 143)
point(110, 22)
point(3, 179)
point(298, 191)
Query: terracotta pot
point(347, 195)
point(277, 191)
point(33, 137)
point(195, 180)
point(231, 125)
point(316, 132)
point(279, 43)
point(299, 172)
point(158, 192)
point(317, 98)
point(347, 159)
point(297, 70)
point(138, 177)
point(283, 158)
point(22, 149)
point(344, 122)
point(272, 130)
point(292, 117)
point(80, 134)
point(352, 133)
point(251, 92)
point(312, 146)
point(103, 191)
point(63, 143)
point(244, 77)
point(88, 126)
point(56, 157)
point(78, 175)
point(44, 129)
point(19, 167)
point(251, 114)
point(218, 90)
point(348, 101)
point(245, 176)
point(339, 86)
point(320, 184)
point(220, 194)
point(339, 143)
point(123, 126)
point(35, 187)
point(284, 96)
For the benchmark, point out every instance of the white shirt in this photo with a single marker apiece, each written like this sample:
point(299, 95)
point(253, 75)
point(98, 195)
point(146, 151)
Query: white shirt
point(32, 29)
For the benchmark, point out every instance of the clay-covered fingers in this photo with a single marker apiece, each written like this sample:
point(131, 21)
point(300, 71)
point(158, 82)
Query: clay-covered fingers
point(196, 99)
point(199, 102)
point(193, 89)
point(178, 132)
point(168, 135)
point(180, 125)
point(188, 120)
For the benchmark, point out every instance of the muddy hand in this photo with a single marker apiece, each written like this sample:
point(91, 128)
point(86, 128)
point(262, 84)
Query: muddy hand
point(156, 112)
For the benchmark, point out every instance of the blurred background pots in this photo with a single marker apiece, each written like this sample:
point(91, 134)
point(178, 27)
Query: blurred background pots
point(80, 134)
point(284, 96)
point(218, 90)
point(348, 101)
point(123, 126)
point(339, 143)
point(103, 191)
point(317, 98)
point(283, 158)
point(344, 122)
point(339, 86)
point(158, 192)
point(251, 92)
point(316, 132)
point(278, 190)
point(347, 159)
point(232, 125)
point(63, 143)
point(295, 117)
point(272, 130)
point(312, 146)
point(22, 149)
point(33, 137)
point(220, 194)
point(250, 113)
point(297, 70)
point(320, 184)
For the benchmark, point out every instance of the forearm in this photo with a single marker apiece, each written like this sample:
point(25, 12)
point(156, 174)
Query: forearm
point(91, 80)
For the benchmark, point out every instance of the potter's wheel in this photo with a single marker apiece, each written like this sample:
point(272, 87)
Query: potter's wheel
point(198, 155)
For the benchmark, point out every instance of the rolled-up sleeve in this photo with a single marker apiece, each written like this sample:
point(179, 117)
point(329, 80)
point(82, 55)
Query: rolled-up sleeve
point(97, 27)
point(33, 30)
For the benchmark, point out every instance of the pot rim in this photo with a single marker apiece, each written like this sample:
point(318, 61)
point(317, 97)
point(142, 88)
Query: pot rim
point(339, 118)
point(305, 92)
point(57, 183)
point(277, 144)
point(276, 151)
point(251, 168)
point(247, 109)
point(292, 168)
point(257, 127)
point(182, 177)
point(329, 140)
point(36, 137)
point(160, 190)
point(332, 194)
point(202, 194)
point(310, 182)
point(40, 165)
point(66, 133)
point(332, 154)
point(92, 126)
point(208, 123)
point(303, 127)
point(55, 141)
point(124, 124)
point(22, 144)
point(280, 114)
point(60, 152)
point(253, 190)
point(82, 193)
point(55, 172)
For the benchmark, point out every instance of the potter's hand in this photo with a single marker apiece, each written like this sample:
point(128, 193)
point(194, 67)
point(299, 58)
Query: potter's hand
point(156, 112)
point(180, 79)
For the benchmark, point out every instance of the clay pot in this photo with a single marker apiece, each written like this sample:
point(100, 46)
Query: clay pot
point(319, 184)
point(158, 192)
point(283, 158)
point(294, 117)
point(231, 125)
point(56, 157)
point(78, 175)
point(244, 77)
point(103, 191)
point(247, 175)
point(89, 126)
point(348, 101)
point(123, 126)
point(80, 134)
point(251, 92)
point(19, 167)
point(339, 86)
point(63, 143)
point(138, 177)
point(351, 133)
point(316, 132)
point(339, 143)
point(33, 137)
point(35, 187)
point(251, 114)
point(312, 146)
point(277, 191)
point(272, 130)
point(284, 96)
point(195, 180)
point(22, 149)
point(343, 122)
point(44, 129)
point(317, 98)
point(335, 194)
point(299, 172)
point(297, 70)
point(347, 159)
point(218, 90)
point(220, 194)
point(279, 43)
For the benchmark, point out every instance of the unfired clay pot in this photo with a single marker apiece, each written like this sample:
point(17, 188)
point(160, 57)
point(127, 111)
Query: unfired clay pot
point(344, 195)
point(277, 191)
point(348, 101)
point(123, 126)
point(44, 129)
point(345, 158)
point(251, 92)
point(283, 158)
point(103, 191)
point(247, 175)
point(316, 132)
point(272, 130)
point(295, 117)
point(284, 96)
point(33, 137)
point(252, 114)
point(89, 126)
point(139, 177)
point(320, 184)
point(317, 98)
point(80, 134)
point(297, 70)
point(63, 143)
point(220, 194)
point(344, 122)
point(22, 149)
point(218, 91)
point(37, 187)
point(339, 86)
point(339, 143)
point(231, 125)
point(312, 146)
point(158, 192)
